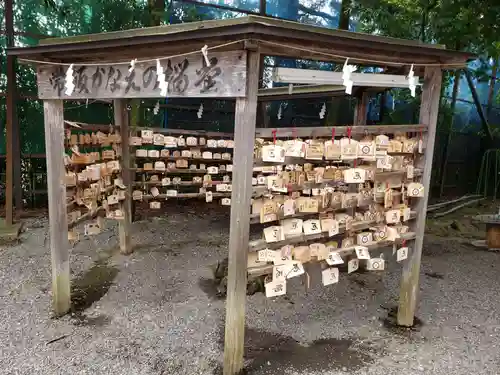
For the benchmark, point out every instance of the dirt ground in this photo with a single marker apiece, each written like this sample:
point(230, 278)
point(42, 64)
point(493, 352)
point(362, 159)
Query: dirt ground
point(156, 312)
point(461, 224)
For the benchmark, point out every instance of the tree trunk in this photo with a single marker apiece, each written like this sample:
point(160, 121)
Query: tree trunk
point(156, 10)
point(287, 9)
point(345, 15)
point(423, 25)
point(425, 19)
point(446, 152)
point(333, 115)
point(383, 102)
point(491, 90)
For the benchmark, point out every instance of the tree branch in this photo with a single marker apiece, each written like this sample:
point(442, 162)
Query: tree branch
point(318, 13)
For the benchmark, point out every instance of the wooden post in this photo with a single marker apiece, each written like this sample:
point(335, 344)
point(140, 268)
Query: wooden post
point(244, 135)
point(360, 116)
point(124, 227)
point(11, 136)
point(9, 140)
point(411, 271)
point(58, 225)
point(361, 110)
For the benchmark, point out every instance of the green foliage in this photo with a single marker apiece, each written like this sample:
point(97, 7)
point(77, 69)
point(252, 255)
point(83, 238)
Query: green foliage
point(458, 24)
point(55, 18)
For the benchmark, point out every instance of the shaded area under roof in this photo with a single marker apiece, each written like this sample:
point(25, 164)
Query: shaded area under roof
point(292, 39)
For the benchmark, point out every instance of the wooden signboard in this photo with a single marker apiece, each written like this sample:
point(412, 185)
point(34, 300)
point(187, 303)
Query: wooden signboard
point(186, 77)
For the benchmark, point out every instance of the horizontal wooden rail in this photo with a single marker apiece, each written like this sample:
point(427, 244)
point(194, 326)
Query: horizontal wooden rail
point(173, 171)
point(173, 186)
point(105, 127)
point(185, 195)
point(326, 131)
point(27, 156)
point(88, 216)
point(356, 226)
point(266, 269)
point(174, 158)
point(255, 218)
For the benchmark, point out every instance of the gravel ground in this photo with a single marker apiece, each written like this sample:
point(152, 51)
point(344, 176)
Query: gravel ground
point(155, 312)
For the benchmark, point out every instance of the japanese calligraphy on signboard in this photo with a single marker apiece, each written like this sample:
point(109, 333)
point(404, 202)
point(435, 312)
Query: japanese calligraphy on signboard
point(186, 77)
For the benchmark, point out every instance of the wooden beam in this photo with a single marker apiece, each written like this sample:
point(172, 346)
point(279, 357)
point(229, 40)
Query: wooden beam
point(26, 34)
point(320, 77)
point(244, 135)
point(227, 79)
point(411, 270)
point(462, 205)
point(300, 92)
point(200, 133)
point(193, 108)
point(146, 197)
point(58, 225)
point(28, 156)
point(283, 46)
point(479, 107)
point(437, 206)
point(307, 238)
point(87, 216)
point(124, 227)
point(267, 269)
point(150, 41)
point(21, 96)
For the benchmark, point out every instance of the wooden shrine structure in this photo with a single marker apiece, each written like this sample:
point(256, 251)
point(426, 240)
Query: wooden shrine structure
point(229, 69)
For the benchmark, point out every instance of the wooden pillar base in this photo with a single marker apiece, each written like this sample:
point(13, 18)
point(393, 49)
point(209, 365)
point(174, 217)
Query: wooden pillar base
point(493, 236)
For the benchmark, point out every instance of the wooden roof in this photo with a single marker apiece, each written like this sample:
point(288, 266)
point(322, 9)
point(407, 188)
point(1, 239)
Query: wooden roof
point(273, 37)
